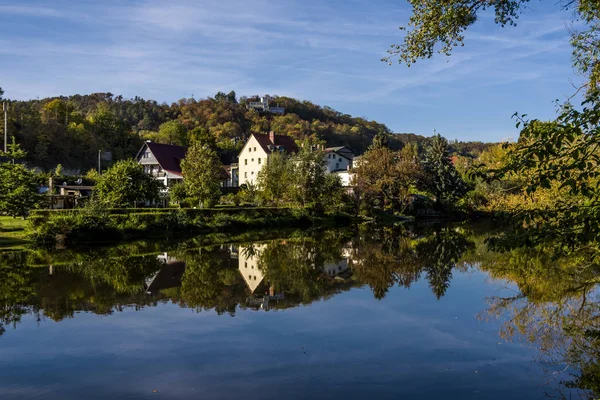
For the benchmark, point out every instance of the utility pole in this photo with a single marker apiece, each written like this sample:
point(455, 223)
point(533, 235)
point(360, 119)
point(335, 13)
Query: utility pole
point(5, 109)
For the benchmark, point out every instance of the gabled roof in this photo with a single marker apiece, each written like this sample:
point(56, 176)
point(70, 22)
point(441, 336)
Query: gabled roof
point(342, 150)
point(287, 142)
point(168, 156)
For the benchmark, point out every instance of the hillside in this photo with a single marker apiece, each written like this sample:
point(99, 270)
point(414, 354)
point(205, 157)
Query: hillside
point(70, 130)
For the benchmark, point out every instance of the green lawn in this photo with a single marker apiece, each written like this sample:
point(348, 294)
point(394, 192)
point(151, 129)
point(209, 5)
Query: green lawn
point(12, 231)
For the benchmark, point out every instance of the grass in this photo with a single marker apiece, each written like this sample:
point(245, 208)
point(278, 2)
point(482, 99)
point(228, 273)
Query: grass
point(12, 232)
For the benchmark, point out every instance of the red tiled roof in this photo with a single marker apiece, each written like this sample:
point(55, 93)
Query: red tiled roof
point(168, 156)
point(287, 142)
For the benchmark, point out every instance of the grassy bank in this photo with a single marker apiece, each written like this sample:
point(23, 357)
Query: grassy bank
point(13, 232)
point(73, 227)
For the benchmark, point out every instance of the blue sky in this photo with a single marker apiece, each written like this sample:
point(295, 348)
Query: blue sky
point(327, 52)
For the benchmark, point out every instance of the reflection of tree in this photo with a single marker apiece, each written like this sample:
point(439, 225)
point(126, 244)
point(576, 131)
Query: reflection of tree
point(18, 287)
point(296, 266)
point(209, 282)
point(386, 257)
point(440, 252)
point(557, 309)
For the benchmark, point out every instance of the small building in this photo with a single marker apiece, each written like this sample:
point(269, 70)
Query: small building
point(256, 153)
point(74, 190)
point(162, 161)
point(264, 106)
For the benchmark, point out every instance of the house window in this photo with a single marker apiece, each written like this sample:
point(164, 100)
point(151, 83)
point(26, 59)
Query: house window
point(245, 174)
point(340, 160)
point(246, 265)
point(255, 149)
point(337, 165)
point(252, 173)
point(259, 160)
point(245, 161)
point(249, 149)
point(253, 160)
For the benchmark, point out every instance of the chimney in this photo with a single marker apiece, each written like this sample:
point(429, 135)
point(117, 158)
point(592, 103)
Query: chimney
point(272, 137)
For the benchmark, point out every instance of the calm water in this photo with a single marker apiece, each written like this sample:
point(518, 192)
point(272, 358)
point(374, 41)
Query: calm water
point(355, 314)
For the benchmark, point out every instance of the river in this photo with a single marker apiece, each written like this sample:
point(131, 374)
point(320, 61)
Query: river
point(363, 313)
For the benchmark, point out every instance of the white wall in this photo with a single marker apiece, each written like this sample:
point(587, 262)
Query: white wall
point(251, 160)
point(336, 162)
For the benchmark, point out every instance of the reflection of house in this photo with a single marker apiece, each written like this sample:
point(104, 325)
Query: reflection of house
point(336, 268)
point(248, 258)
point(257, 151)
point(169, 275)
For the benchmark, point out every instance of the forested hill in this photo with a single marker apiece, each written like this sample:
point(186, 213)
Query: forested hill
point(70, 130)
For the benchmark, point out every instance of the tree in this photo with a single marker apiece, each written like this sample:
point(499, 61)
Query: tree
point(173, 132)
point(384, 178)
point(273, 179)
point(307, 176)
point(202, 173)
point(437, 25)
point(445, 181)
point(58, 171)
point(380, 140)
point(18, 187)
point(125, 184)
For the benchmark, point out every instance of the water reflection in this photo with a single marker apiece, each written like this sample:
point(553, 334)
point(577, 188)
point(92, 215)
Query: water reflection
point(556, 306)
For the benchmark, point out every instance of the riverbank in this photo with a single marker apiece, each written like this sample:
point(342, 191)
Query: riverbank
point(51, 228)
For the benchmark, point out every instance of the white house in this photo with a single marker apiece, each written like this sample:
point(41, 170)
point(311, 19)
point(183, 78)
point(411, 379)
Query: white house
point(257, 151)
point(338, 158)
point(263, 106)
point(162, 161)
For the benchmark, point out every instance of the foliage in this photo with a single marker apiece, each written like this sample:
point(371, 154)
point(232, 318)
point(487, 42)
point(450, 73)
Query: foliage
point(273, 179)
point(444, 180)
point(203, 173)
point(126, 184)
point(18, 186)
point(385, 178)
point(439, 26)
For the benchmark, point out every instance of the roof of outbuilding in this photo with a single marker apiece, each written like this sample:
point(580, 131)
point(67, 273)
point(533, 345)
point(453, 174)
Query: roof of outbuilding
point(287, 142)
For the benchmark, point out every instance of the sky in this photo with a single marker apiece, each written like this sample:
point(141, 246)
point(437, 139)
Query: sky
point(327, 52)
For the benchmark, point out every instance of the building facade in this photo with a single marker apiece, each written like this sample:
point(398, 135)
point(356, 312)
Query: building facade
point(255, 154)
point(162, 161)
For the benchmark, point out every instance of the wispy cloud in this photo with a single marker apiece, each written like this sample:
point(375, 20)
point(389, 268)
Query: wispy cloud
point(327, 52)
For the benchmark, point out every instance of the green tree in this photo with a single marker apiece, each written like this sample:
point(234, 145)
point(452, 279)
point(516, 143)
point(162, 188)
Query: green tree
point(445, 181)
point(125, 184)
point(202, 173)
point(307, 176)
point(18, 187)
point(173, 132)
point(273, 179)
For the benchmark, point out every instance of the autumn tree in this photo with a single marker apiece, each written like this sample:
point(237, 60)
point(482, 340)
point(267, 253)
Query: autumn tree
point(202, 173)
point(384, 178)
